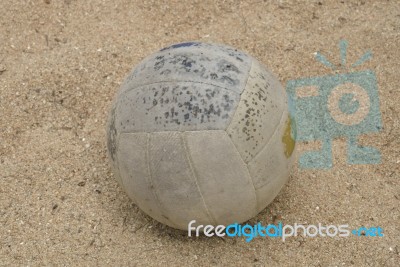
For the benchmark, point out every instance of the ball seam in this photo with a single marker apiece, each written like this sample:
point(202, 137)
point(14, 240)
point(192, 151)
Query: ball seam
point(248, 172)
point(152, 184)
point(240, 96)
point(184, 81)
point(189, 158)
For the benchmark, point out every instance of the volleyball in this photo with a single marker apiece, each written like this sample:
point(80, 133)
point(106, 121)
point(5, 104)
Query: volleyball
point(201, 132)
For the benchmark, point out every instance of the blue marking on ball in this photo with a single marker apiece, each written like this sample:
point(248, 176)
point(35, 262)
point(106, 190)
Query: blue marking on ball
point(186, 44)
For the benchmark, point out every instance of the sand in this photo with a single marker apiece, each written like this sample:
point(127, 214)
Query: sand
point(61, 62)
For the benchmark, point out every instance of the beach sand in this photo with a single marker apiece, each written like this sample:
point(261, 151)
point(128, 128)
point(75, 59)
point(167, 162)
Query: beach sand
point(61, 63)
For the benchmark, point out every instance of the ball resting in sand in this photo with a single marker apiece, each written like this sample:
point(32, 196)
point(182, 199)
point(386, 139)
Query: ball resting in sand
point(200, 132)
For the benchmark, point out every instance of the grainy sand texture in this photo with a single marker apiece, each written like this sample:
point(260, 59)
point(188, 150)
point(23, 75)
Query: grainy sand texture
point(61, 63)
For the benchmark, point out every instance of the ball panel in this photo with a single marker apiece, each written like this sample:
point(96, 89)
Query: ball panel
point(218, 65)
point(132, 157)
point(175, 106)
point(174, 180)
point(268, 192)
point(258, 113)
point(270, 168)
point(222, 176)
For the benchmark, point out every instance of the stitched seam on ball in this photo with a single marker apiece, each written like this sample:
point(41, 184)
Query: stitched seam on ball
point(116, 160)
point(270, 139)
point(185, 81)
point(151, 183)
point(240, 97)
point(201, 130)
point(248, 172)
point(189, 158)
point(116, 166)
